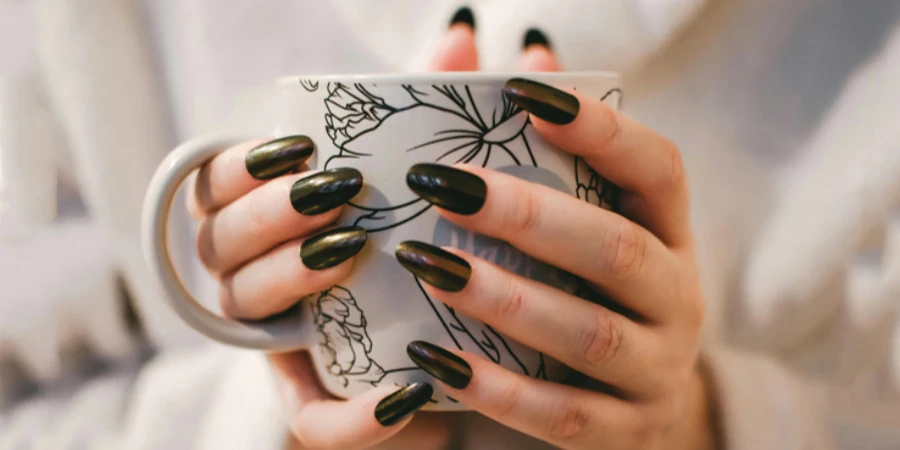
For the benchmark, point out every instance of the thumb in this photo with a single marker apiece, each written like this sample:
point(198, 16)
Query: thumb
point(537, 55)
point(456, 51)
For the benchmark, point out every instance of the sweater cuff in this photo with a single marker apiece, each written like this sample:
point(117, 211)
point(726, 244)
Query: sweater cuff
point(760, 404)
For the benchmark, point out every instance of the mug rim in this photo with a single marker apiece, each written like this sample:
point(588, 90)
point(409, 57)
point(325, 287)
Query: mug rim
point(447, 77)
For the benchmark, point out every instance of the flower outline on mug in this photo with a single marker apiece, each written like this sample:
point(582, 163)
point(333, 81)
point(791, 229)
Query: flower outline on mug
point(345, 341)
point(458, 130)
point(464, 132)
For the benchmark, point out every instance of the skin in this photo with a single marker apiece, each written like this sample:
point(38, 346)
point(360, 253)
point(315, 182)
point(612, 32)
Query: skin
point(641, 386)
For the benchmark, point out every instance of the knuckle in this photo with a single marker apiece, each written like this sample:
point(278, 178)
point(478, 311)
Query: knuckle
point(569, 422)
point(625, 251)
point(690, 296)
point(300, 433)
point(227, 301)
point(193, 206)
point(257, 218)
point(674, 173)
point(647, 437)
point(650, 431)
point(602, 341)
point(199, 197)
point(524, 212)
point(696, 311)
point(512, 302)
point(205, 246)
point(612, 131)
point(194, 211)
point(509, 400)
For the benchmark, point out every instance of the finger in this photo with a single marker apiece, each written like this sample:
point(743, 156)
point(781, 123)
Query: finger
point(242, 168)
point(627, 262)
point(635, 158)
point(319, 422)
point(275, 281)
point(537, 54)
point(586, 337)
point(280, 210)
point(456, 51)
point(561, 415)
point(427, 431)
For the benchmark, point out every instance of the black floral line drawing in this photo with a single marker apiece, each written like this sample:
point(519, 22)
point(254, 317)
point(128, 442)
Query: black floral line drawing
point(487, 343)
point(309, 85)
point(345, 340)
point(619, 96)
point(463, 134)
point(354, 113)
point(595, 189)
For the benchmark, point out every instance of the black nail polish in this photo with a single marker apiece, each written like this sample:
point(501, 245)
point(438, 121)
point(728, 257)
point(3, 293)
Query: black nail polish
point(535, 36)
point(545, 102)
point(464, 15)
point(325, 191)
point(332, 247)
point(441, 364)
point(278, 157)
point(434, 265)
point(402, 403)
point(447, 187)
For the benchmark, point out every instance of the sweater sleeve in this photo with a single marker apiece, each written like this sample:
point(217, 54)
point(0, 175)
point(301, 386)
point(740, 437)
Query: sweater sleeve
point(760, 404)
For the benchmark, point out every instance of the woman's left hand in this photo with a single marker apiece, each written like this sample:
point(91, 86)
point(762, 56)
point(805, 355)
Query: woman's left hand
point(642, 388)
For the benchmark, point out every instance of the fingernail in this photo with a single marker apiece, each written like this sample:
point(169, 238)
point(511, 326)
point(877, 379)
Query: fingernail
point(447, 187)
point(535, 36)
point(402, 403)
point(278, 157)
point(441, 364)
point(545, 102)
point(325, 191)
point(434, 265)
point(332, 247)
point(464, 15)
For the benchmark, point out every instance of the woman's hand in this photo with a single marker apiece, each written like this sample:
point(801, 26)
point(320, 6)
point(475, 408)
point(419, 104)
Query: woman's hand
point(641, 386)
point(266, 233)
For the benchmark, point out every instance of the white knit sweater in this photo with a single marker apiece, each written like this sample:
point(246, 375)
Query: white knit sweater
point(786, 113)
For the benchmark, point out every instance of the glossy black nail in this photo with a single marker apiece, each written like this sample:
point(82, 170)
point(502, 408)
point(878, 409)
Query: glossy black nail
point(440, 363)
point(278, 157)
point(545, 102)
point(395, 407)
point(464, 15)
point(434, 265)
point(326, 190)
point(332, 247)
point(535, 36)
point(447, 187)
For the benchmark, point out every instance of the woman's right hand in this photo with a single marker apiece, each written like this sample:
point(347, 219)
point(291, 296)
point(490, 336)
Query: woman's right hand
point(266, 233)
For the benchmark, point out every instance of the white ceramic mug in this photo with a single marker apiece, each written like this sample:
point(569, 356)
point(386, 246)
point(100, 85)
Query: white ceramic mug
point(357, 332)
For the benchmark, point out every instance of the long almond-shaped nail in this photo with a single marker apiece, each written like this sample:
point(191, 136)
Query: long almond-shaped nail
point(326, 190)
point(278, 157)
point(332, 247)
point(441, 364)
point(463, 15)
point(402, 403)
point(545, 102)
point(434, 265)
point(448, 187)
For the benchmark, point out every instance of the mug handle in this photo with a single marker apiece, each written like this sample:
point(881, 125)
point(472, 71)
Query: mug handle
point(286, 331)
